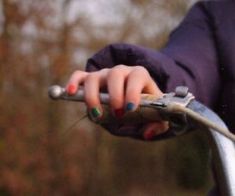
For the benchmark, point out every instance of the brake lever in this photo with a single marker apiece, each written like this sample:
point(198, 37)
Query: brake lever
point(175, 107)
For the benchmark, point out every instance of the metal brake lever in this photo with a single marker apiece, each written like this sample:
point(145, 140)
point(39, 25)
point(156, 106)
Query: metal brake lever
point(174, 107)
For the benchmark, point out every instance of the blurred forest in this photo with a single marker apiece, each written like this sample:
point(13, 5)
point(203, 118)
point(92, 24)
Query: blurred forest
point(43, 150)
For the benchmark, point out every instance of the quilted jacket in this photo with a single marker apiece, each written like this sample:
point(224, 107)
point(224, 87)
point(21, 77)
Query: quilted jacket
point(200, 54)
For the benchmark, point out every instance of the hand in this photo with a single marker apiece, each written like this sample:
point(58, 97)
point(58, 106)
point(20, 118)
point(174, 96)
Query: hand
point(124, 85)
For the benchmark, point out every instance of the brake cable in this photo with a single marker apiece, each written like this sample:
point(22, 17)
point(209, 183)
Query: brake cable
point(174, 105)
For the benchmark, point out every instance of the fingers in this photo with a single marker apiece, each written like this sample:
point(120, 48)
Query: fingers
point(125, 85)
point(75, 80)
point(139, 81)
point(91, 82)
point(116, 87)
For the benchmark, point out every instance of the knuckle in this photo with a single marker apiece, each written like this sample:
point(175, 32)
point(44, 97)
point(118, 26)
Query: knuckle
point(141, 73)
point(92, 77)
point(103, 71)
point(123, 68)
point(141, 70)
point(117, 74)
point(77, 72)
point(113, 73)
point(120, 66)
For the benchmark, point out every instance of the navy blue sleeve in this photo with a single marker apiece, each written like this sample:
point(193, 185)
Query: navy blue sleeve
point(193, 48)
point(189, 58)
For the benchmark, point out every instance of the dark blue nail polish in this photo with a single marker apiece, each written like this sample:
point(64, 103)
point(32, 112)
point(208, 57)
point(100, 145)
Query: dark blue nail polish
point(130, 106)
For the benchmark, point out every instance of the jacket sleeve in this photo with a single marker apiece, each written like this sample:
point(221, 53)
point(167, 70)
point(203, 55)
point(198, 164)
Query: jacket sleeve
point(189, 58)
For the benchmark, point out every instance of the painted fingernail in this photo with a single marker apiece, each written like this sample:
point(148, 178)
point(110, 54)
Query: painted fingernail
point(95, 112)
point(119, 113)
point(130, 107)
point(71, 90)
point(149, 135)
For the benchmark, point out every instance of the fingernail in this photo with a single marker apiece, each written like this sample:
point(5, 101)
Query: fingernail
point(119, 113)
point(95, 112)
point(71, 90)
point(149, 135)
point(130, 107)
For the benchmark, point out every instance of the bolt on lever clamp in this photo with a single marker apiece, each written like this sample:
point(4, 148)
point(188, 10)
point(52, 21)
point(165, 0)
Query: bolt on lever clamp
point(169, 109)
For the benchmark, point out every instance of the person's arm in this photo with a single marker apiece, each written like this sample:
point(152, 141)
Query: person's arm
point(189, 58)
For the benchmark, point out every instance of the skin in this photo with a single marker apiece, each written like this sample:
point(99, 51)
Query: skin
point(124, 84)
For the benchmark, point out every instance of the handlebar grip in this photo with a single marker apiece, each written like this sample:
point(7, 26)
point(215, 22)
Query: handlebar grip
point(143, 114)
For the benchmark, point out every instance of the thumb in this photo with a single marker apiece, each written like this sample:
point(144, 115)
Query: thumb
point(153, 129)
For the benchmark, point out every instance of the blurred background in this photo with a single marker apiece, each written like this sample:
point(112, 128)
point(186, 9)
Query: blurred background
point(43, 151)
